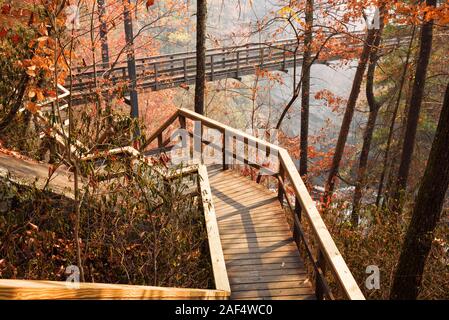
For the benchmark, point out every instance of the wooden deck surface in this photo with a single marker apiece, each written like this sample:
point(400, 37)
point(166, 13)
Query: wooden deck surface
point(261, 257)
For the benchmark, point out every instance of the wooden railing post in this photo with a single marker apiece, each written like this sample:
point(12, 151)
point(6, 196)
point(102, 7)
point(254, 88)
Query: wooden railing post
point(197, 140)
point(212, 67)
point(321, 264)
point(159, 141)
point(182, 121)
point(298, 208)
point(284, 68)
point(156, 86)
point(184, 63)
point(237, 73)
point(225, 156)
point(234, 151)
point(280, 185)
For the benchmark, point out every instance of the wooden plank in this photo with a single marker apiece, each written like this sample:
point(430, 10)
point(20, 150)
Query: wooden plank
point(254, 235)
point(264, 273)
point(266, 207)
point(264, 210)
point(303, 283)
point(259, 261)
point(244, 200)
point(54, 290)
point(261, 223)
point(264, 204)
point(266, 221)
point(255, 229)
point(271, 292)
point(253, 216)
point(266, 279)
point(254, 245)
point(213, 235)
point(267, 266)
point(249, 241)
point(237, 251)
point(236, 189)
point(261, 256)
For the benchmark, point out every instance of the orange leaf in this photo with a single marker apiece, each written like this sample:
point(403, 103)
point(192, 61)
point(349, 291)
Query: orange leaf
point(32, 107)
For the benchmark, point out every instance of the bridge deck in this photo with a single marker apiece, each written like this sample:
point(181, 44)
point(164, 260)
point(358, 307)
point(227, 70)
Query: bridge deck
point(261, 257)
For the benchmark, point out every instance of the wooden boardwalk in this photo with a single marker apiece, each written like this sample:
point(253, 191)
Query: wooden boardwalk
point(253, 248)
point(261, 257)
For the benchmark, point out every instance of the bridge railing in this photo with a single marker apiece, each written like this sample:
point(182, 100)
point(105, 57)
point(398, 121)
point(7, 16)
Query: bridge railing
point(165, 71)
point(324, 256)
point(180, 70)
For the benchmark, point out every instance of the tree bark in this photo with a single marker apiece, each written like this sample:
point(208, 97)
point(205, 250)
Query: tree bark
point(426, 213)
point(103, 33)
point(131, 62)
point(414, 111)
point(374, 107)
point(305, 90)
point(349, 113)
point(201, 19)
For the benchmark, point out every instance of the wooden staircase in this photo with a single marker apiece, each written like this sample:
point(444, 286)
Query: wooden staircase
point(261, 256)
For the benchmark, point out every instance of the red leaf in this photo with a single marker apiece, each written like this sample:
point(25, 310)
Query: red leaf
point(16, 39)
point(3, 32)
point(6, 9)
point(149, 3)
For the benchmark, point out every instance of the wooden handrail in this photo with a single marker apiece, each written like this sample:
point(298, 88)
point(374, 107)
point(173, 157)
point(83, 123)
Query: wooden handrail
point(213, 236)
point(222, 127)
point(326, 245)
point(52, 290)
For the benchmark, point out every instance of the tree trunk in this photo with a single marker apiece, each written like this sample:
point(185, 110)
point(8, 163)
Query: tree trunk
point(201, 19)
point(426, 213)
point(349, 113)
point(414, 111)
point(393, 120)
point(305, 90)
point(103, 33)
point(374, 107)
point(131, 61)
